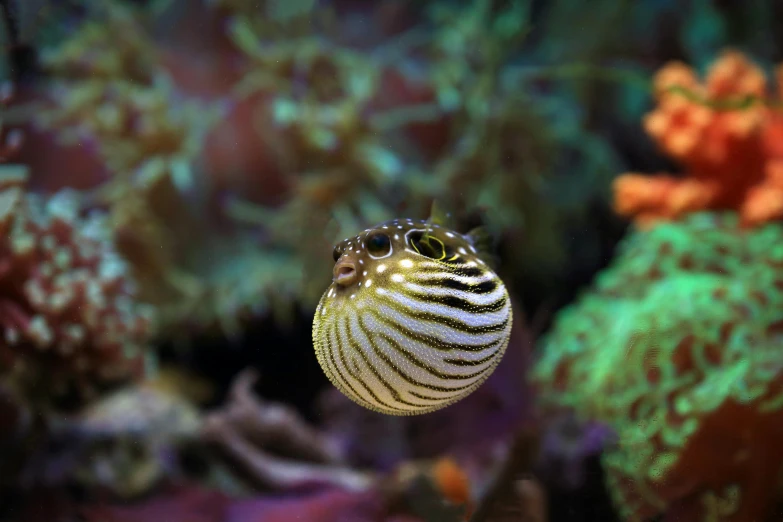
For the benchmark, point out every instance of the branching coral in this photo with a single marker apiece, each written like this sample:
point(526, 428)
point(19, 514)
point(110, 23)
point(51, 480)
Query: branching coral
point(471, 45)
point(725, 133)
point(108, 88)
point(360, 137)
point(318, 118)
point(87, 57)
point(341, 137)
point(69, 315)
point(278, 450)
point(94, 70)
point(248, 425)
point(677, 348)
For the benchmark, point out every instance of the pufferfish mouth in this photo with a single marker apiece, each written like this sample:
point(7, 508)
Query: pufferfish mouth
point(344, 272)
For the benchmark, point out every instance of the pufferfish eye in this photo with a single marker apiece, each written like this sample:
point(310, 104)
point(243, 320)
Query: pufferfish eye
point(378, 244)
point(336, 253)
point(428, 245)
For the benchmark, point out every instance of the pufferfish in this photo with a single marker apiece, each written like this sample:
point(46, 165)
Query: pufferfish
point(414, 319)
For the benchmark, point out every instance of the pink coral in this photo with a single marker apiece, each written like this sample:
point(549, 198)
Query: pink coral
point(69, 322)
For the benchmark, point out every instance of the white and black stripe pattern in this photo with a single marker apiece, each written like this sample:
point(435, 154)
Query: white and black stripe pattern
point(416, 336)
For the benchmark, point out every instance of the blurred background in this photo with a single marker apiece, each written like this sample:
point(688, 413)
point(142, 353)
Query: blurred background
point(176, 172)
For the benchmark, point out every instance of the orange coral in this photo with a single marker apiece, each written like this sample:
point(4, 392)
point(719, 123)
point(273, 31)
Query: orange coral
point(453, 482)
point(727, 136)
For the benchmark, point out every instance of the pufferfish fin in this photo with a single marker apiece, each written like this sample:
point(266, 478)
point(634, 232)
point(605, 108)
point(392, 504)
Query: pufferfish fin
point(439, 215)
point(484, 242)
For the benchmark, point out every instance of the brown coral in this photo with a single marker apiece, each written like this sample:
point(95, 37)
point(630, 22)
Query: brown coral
point(69, 320)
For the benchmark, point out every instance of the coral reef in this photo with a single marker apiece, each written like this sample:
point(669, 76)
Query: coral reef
point(120, 444)
point(69, 313)
point(107, 86)
point(676, 348)
point(109, 92)
point(321, 130)
point(725, 132)
point(211, 153)
point(361, 138)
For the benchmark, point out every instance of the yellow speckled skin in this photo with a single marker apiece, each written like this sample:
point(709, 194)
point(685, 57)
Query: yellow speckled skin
point(422, 324)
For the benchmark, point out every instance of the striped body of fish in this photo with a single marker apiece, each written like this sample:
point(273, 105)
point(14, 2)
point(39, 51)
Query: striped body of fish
point(413, 321)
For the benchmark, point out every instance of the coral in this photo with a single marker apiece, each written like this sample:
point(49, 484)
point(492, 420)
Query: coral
point(315, 110)
point(137, 129)
point(677, 348)
point(99, 76)
point(120, 446)
point(249, 427)
point(723, 131)
point(320, 133)
point(339, 137)
point(471, 44)
point(108, 89)
point(69, 314)
point(152, 227)
point(201, 283)
point(360, 137)
point(124, 443)
point(107, 47)
point(151, 129)
point(322, 119)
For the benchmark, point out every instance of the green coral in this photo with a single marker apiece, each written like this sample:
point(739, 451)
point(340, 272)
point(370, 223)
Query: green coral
point(681, 325)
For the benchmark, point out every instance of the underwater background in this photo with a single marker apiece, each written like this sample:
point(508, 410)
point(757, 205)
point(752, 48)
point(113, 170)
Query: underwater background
point(175, 175)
